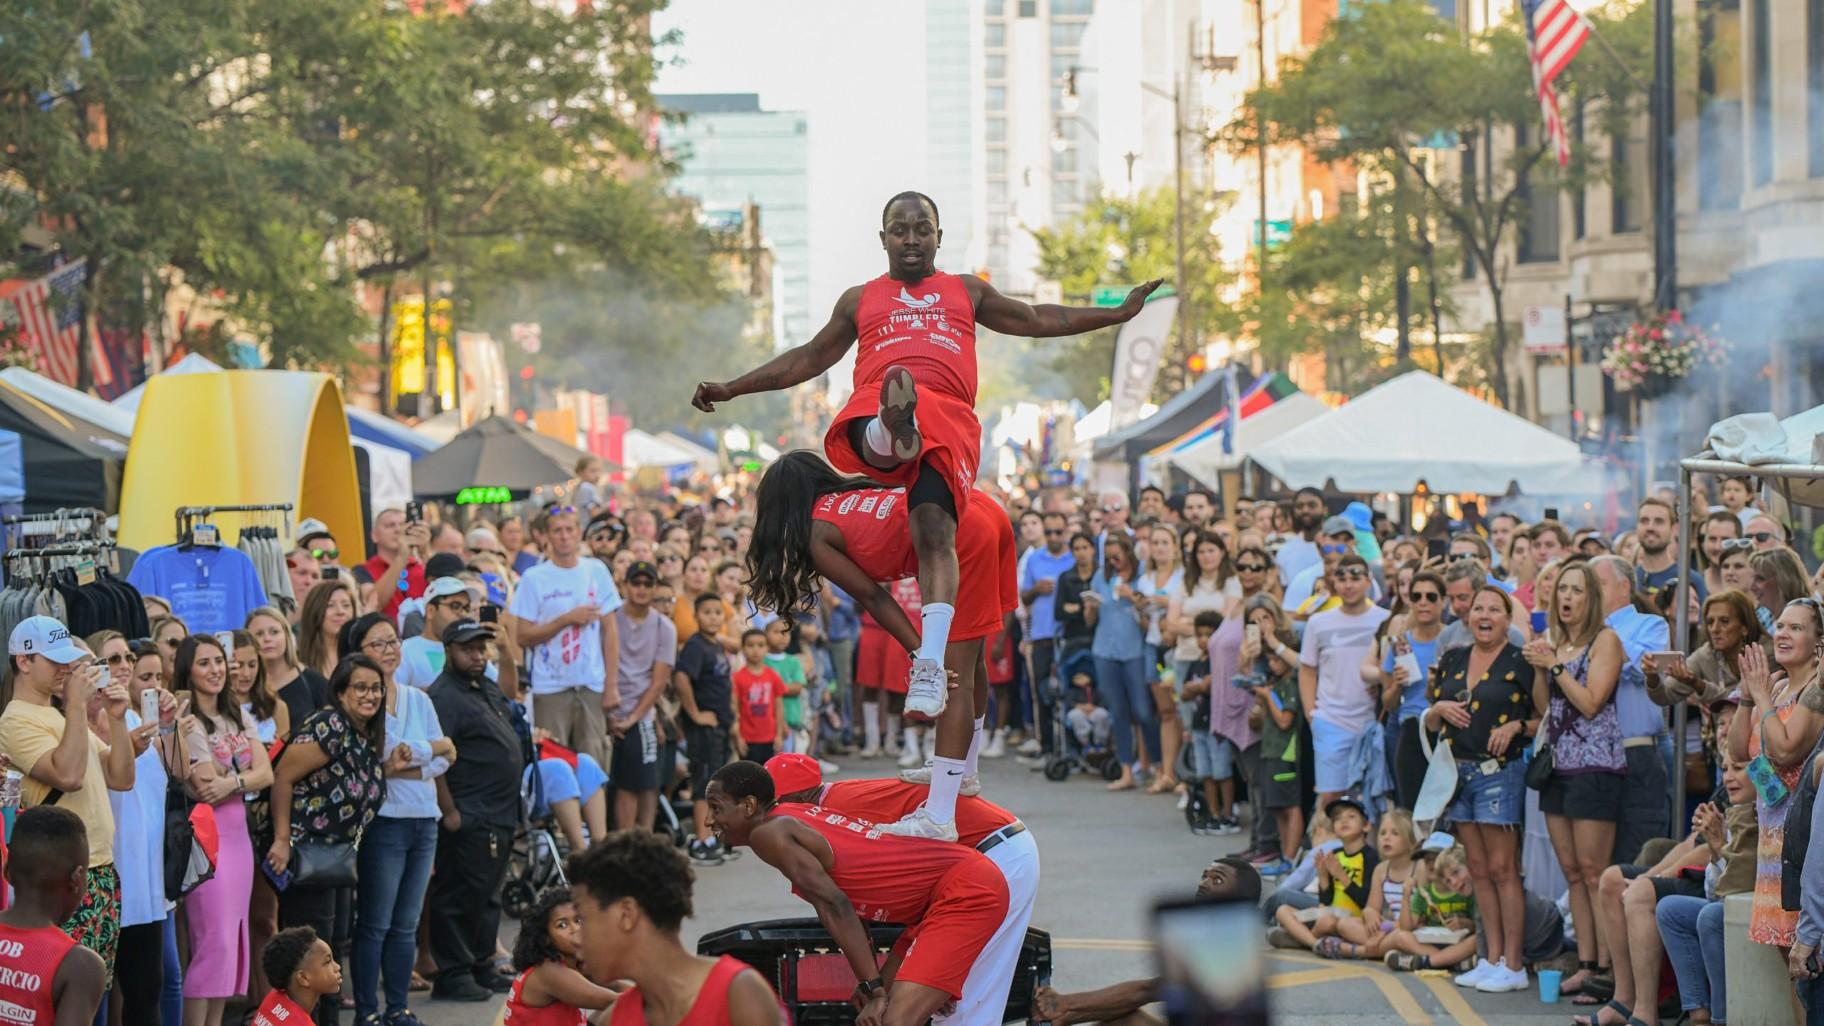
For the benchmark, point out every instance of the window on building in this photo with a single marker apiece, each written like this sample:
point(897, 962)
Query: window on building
point(997, 192)
point(1029, 8)
point(1761, 152)
point(994, 8)
point(1578, 198)
point(1814, 87)
point(1070, 8)
point(1627, 197)
point(1064, 162)
point(994, 35)
point(1719, 100)
point(1538, 237)
point(994, 99)
point(996, 160)
point(1066, 35)
point(995, 130)
point(994, 69)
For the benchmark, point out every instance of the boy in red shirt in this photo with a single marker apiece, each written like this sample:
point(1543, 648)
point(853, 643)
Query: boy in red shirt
point(759, 700)
point(303, 971)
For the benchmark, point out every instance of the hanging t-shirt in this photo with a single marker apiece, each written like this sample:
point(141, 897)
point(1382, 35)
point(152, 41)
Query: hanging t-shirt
point(573, 657)
point(210, 587)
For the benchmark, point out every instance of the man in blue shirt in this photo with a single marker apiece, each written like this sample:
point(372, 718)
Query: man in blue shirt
point(841, 628)
point(1646, 810)
point(1039, 570)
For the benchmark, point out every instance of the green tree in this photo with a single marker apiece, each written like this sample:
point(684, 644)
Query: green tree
point(1385, 84)
point(1121, 241)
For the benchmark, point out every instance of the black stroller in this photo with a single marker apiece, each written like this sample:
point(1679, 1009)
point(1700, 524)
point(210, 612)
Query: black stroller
point(1074, 756)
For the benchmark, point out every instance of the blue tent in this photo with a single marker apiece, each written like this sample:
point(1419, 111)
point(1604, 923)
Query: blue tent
point(372, 427)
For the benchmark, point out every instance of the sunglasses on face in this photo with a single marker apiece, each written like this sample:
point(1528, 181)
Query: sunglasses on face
point(1054, 534)
point(1762, 536)
point(321, 554)
point(1333, 550)
point(1113, 509)
point(1458, 557)
point(1426, 596)
point(1251, 568)
point(120, 659)
point(1352, 573)
point(1738, 544)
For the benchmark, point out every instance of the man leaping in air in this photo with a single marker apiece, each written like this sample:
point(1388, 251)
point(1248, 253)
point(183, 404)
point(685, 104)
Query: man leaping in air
point(911, 418)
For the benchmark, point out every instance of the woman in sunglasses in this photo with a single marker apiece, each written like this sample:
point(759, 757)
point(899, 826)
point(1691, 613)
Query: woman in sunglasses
point(1405, 671)
point(1738, 574)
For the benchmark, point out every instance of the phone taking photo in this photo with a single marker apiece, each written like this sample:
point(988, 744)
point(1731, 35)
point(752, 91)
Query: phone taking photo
point(490, 613)
point(414, 512)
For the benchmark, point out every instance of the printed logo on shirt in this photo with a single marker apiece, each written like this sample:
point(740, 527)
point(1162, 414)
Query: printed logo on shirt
point(10, 1012)
point(848, 504)
point(887, 502)
point(868, 504)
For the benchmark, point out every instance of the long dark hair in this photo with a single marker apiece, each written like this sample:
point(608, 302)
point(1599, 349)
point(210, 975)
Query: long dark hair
point(781, 576)
point(227, 706)
point(533, 946)
point(375, 730)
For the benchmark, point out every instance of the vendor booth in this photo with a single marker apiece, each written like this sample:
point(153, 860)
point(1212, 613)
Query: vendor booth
point(240, 438)
point(63, 460)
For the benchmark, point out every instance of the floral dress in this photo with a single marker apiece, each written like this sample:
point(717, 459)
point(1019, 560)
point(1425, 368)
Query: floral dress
point(335, 802)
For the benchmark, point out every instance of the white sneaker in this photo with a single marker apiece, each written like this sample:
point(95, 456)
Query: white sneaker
point(1031, 746)
point(828, 767)
point(996, 747)
point(972, 784)
point(910, 757)
point(1502, 980)
point(1481, 972)
point(918, 823)
point(927, 690)
point(870, 752)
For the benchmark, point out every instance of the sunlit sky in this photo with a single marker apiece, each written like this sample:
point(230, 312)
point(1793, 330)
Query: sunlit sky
point(857, 68)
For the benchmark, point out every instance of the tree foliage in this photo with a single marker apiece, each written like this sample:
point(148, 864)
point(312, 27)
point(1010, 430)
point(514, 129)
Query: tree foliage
point(1390, 83)
point(278, 156)
point(1122, 241)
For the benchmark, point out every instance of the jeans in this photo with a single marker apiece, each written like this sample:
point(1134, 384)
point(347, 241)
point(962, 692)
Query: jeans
point(1123, 687)
point(171, 998)
point(1692, 929)
point(395, 868)
point(1811, 995)
point(1039, 675)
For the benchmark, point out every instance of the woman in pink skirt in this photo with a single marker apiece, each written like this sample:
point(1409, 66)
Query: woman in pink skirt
point(228, 764)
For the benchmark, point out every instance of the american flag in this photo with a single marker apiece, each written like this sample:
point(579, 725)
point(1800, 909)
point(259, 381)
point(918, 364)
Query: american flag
point(48, 312)
point(1554, 34)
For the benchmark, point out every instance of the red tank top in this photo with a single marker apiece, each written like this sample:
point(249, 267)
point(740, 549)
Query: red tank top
point(28, 971)
point(888, 878)
point(709, 1009)
point(874, 530)
point(518, 1013)
point(929, 326)
point(886, 800)
point(280, 1010)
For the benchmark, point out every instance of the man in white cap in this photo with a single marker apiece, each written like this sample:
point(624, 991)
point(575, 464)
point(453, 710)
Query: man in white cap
point(65, 765)
point(446, 600)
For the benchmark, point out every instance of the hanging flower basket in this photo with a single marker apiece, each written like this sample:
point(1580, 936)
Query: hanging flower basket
point(1654, 355)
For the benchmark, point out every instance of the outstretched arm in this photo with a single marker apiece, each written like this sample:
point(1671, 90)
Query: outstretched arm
point(794, 366)
point(836, 567)
point(778, 847)
point(1012, 317)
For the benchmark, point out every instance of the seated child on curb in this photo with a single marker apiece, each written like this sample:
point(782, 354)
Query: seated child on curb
point(1367, 937)
point(1441, 895)
point(1298, 887)
point(1343, 877)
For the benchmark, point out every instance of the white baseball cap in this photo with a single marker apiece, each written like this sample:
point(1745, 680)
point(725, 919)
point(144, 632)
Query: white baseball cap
point(45, 636)
point(444, 587)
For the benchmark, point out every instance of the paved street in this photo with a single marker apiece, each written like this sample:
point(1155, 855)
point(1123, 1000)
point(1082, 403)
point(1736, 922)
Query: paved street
point(1106, 856)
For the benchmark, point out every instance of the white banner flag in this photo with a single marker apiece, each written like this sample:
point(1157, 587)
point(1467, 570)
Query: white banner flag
point(1138, 350)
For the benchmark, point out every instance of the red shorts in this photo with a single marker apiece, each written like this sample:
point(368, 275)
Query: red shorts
point(969, 908)
point(985, 555)
point(951, 432)
point(880, 662)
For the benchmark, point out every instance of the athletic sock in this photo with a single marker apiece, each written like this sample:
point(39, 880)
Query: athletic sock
point(870, 716)
point(946, 782)
point(879, 441)
point(973, 759)
point(911, 742)
point(935, 635)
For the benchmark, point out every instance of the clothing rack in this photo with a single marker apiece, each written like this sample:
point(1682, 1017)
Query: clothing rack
point(189, 516)
point(77, 524)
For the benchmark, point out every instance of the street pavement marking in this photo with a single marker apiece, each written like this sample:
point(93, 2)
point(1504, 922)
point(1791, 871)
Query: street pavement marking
point(1449, 995)
point(1307, 977)
point(1404, 1004)
point(1100, 944)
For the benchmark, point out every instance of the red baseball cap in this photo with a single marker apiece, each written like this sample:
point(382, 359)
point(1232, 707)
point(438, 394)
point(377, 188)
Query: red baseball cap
point(793, 772)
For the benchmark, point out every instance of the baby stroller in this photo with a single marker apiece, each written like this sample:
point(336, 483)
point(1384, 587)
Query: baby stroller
point(538, 855)
point(1074, 756)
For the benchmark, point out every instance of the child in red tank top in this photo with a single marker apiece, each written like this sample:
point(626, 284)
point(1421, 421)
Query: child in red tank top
point(303, 971)
point(550, 989)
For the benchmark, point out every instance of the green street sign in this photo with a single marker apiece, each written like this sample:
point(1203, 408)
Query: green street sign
point(1109, 295)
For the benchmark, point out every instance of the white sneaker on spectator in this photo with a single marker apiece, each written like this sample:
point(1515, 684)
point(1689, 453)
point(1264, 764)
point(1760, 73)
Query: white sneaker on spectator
point(997, 745)
point(927, 690)
point(1502, 980)
point(1481, 972)
point(917, 823)
point(1030, 746)
point(972, 784)
point(828, 767)
point(870, 752)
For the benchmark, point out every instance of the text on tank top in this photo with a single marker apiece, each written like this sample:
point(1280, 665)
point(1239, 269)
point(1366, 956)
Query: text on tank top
point(928, 326)
point(874, 530)
point(278, 1009)
point(518, 1013)
point(709, 1009)
point(28, 972)
point(887, 800)
point(888, 878)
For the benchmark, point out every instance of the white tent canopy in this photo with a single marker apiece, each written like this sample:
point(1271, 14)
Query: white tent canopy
point(76, 403)
point(1418, 428)
point(191, 364)
point(706, 458)
point(639, 449)
point(1204, 459)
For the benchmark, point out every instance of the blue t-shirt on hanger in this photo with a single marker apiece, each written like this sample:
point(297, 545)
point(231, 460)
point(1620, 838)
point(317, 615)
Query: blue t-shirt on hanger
point(210, 587)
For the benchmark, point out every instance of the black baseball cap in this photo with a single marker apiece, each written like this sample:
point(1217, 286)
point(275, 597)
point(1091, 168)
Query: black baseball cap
point(605, 519)
point(464, 631)
point(1347, 801)
point(642, 568)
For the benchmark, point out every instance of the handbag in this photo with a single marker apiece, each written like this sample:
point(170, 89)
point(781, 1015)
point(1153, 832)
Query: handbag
point(322, 864)
point(1539, 772)
point(1440, 784)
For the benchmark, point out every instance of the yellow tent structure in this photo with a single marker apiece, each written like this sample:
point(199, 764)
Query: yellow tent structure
point(240, 437)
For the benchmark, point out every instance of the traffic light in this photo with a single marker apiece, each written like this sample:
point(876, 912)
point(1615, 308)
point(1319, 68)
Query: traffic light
point(1197, 364)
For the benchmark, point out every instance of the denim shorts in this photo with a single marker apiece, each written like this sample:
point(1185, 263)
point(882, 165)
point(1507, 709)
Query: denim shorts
point(1213, 757)
point(1493, 799)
